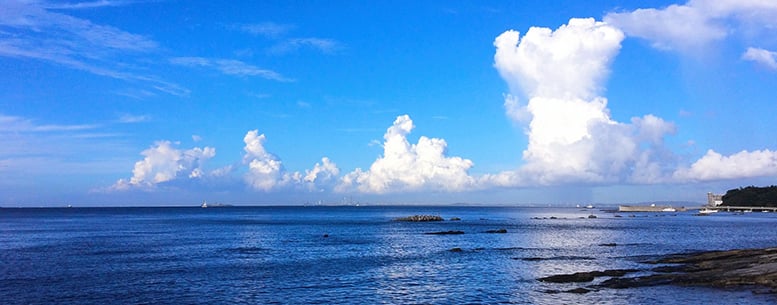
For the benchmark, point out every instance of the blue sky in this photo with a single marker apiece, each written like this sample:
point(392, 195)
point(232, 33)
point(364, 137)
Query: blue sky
point(430, 102)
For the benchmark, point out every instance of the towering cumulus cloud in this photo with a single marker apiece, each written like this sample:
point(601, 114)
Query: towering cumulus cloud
point(265, 171)
point(572, 138)
point(410, 167)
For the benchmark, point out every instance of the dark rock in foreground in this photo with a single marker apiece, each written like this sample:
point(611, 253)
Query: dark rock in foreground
point(725, 269)
point(750, 267)
point(445, 233)
point(420, 218)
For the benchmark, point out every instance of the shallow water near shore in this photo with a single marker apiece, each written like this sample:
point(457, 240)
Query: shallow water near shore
point(353, 255)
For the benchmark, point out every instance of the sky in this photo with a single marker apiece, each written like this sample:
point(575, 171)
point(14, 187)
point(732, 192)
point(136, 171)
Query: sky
point(116, 103)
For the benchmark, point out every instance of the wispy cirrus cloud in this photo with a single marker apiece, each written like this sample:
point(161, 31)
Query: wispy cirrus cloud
point(30, 146)
point(86, 5)
point(130, 118)
point(35, 30)
point(266, 29)
point(17, 124)
point(230, 67)
point(324, 45)
point(285, 44)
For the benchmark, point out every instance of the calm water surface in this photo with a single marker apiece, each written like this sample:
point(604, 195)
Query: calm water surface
point(280, 255)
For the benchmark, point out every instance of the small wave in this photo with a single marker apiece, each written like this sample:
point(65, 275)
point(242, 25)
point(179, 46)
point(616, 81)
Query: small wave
point(115, 252)
point(564, 258)
point(247, 250)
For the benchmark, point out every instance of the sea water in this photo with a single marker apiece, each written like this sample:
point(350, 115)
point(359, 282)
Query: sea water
point(353, 255)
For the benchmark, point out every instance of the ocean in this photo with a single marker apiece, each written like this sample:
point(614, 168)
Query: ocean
point(352, 255)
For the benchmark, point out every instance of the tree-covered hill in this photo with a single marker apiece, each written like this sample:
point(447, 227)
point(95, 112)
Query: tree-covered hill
point(752, 196)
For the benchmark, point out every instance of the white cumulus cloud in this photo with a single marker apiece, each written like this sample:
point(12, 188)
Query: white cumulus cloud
point(571, 135)
point(714, 166)
point(163, 162)
point(326, 170)
point(763, 57)
point(690, 27)
point(266, 172)
point(410, 167)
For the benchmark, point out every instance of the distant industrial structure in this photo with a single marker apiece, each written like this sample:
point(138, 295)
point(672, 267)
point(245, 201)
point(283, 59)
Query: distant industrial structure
point(714, 200)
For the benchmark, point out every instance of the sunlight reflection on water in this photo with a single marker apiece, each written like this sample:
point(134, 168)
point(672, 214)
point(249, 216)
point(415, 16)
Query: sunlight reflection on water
point(279, 255)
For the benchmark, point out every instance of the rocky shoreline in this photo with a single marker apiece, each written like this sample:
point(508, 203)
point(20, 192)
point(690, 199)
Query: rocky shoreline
point(742, 268)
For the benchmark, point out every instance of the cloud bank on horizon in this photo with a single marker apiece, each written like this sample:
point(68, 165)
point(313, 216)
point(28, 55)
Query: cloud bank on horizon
point(557, 83)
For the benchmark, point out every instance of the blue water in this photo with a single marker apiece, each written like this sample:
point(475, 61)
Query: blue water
point(280, 255)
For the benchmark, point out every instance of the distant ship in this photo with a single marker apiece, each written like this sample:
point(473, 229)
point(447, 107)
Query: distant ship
point(649, 208)
point(213, 205)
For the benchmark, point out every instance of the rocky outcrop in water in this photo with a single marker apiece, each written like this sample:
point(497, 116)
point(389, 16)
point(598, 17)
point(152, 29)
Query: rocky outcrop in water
point(585, 276)
point(497, 231)
point(725, 269)
point(420, 218)
point(749, 267)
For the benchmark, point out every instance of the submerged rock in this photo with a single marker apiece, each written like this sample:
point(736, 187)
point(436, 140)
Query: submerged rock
point(420, 218)
point(445, 233)
point(568, 278)
point(576, 290)
point(497, 231)
point(585, 276)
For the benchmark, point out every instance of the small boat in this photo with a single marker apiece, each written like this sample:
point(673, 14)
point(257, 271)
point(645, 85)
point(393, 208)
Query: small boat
point(204, 204)
point(668, 209)
point(590, 206)
point(707, 211)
